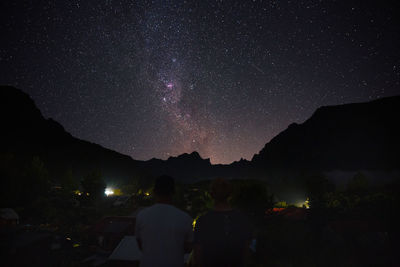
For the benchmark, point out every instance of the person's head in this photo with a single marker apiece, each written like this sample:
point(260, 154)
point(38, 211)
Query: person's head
point(221, 189)
point(164, 187)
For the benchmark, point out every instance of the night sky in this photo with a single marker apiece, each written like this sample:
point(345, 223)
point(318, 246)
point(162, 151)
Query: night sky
point(160, 78)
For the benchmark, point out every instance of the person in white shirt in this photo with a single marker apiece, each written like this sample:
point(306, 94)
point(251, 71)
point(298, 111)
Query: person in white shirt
point(164, 233)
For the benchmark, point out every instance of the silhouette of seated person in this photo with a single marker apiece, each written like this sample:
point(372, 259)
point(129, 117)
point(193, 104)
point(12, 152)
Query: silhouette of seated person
point(164, 232)
point(221, 236)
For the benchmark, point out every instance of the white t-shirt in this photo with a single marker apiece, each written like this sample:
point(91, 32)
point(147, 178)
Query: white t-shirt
point(163, 230)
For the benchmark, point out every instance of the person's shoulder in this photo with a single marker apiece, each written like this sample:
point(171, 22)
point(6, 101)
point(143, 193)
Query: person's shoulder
point(181, 213)
point(142, 213)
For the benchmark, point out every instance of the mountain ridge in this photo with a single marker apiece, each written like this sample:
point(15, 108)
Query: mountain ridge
point(369, 127)
point(328, 140)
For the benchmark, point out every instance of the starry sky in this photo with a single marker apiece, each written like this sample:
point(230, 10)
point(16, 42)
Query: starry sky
point(160, 78)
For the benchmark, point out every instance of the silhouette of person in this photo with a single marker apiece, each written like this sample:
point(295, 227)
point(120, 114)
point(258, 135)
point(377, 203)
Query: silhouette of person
point(221, 236)
point(163, 232)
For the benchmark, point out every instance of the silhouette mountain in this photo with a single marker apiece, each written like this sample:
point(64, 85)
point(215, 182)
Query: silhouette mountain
point(192, 167)
point(346, 137)
point(361, 136)
point(26, 134)
point(192, 164)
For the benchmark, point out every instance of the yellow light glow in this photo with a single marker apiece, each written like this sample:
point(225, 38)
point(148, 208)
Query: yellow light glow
point(303, 204)
point(194, 222)
point(307, 203)
point(117, 192)
point(147, 194)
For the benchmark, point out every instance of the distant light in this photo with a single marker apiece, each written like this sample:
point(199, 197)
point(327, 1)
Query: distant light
point(147, 194)
point(307, 203)
point(194, 222)
point(304, 204)
point(109, 192)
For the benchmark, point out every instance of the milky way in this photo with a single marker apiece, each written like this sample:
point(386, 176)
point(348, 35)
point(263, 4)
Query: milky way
point(161, 78)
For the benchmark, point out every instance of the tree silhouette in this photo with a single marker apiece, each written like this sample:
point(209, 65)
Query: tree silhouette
point(358, 184)
point(251, 196)
point(93, 185)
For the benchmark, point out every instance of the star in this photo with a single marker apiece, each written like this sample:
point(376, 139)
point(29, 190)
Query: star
point(196, 70)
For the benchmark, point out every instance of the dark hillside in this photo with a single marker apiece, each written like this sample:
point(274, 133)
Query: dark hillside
point(26, 133)
point(362, 136)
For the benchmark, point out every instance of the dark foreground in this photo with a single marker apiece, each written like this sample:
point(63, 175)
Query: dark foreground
point(301, 239)
point(341, 228)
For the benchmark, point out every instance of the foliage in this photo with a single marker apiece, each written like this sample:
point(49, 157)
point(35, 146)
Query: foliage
point(317, 187)
point(281, 204)
point(94, 185)
point(22, 185)
point(251, 196)
point(132, 187)
point(68, 182)
point(200, 202)
point(36, 180)
point(358, 184)
point(146, 183)
point(10, 174)
point(178, 197)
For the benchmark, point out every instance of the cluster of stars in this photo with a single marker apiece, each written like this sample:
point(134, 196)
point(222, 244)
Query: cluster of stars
point(156, 78)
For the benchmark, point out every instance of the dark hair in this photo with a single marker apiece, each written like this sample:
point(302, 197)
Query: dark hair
point(221, 189)
point(164, 186)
